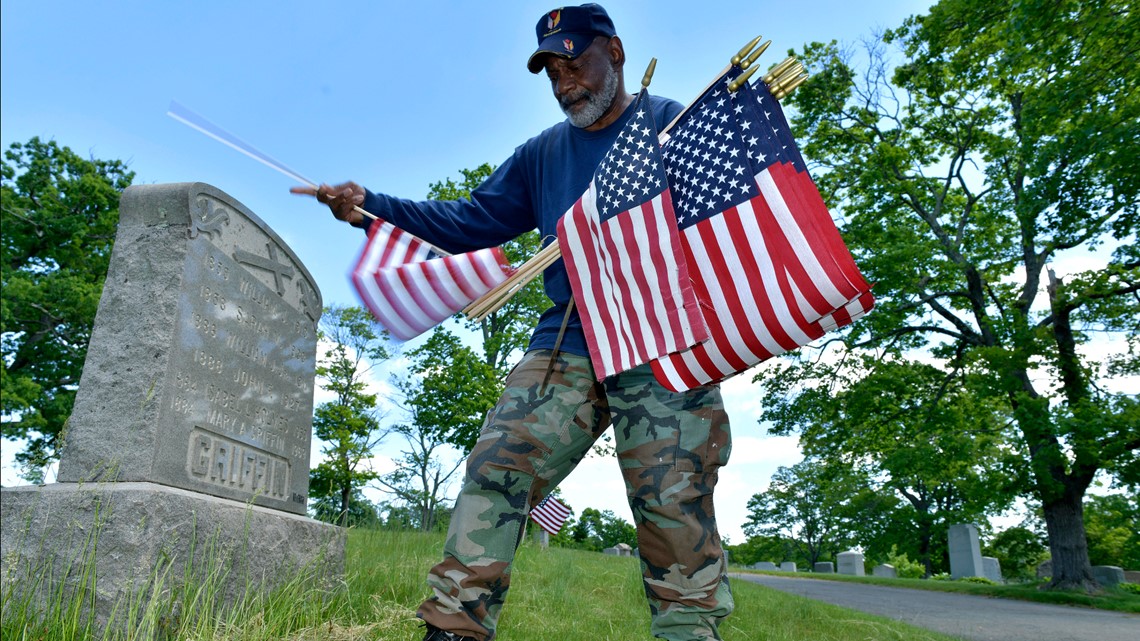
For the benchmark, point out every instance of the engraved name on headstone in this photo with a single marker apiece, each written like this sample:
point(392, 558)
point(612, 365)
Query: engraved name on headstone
point(207, 382)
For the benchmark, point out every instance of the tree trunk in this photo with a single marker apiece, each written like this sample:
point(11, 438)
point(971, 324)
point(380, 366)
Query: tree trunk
point(1065, 522)
point(345, 497)
point(1060, 491)
point(924, 548)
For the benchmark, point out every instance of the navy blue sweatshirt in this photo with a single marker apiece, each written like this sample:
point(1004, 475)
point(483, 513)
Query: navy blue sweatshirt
point(541, 180)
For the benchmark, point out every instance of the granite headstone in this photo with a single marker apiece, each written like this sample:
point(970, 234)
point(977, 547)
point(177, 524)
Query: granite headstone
point(1108, 575)
point(965, 551)
point(991, 566)
point(851, 563)
point(200, 370)
point(191, 427)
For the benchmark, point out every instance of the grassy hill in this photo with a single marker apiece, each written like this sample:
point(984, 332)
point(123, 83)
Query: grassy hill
point(570, 595)
point(557, 595)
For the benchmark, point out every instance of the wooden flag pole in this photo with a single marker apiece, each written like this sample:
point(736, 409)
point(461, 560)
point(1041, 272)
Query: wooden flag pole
point(196, 121)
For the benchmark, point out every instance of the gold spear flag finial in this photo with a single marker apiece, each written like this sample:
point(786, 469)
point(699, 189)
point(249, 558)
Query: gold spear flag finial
point(778, 70)
point(748, 62)
point(783, 78)
point(648, 77)
point(744, 51)
point(741, 79)
point(784, 91)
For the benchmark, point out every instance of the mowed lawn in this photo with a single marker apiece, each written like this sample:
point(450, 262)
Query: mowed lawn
point(557, 595)
point(571, 595)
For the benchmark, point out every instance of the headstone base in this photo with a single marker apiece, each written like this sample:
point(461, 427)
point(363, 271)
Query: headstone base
point(130, 533)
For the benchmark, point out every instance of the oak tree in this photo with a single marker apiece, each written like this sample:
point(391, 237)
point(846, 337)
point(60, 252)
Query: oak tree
point(59, 217)
point(348, 426)
point(1003, 144)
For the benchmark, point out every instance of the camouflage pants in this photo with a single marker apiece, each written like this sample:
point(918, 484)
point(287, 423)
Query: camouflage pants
point(669, 446)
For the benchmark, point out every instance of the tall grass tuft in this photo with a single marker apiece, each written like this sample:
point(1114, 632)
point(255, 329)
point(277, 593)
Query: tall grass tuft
point(568, 595)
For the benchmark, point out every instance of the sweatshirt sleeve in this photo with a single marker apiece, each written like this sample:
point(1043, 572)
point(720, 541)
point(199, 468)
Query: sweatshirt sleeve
point(499, 209)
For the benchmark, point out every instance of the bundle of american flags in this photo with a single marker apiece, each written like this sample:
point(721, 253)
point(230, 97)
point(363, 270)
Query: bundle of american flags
point(704, 250)
point(771, 270)
point(768, 267)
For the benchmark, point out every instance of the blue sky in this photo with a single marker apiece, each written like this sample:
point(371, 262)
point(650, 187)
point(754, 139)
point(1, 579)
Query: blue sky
point(394, 95)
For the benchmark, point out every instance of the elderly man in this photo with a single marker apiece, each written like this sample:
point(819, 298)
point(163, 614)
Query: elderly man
point(669, 445)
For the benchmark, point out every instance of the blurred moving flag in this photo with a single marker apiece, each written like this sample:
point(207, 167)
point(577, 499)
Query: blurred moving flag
point(550, 514)
point(769, 267)
point(623, 256)
point(409, 288)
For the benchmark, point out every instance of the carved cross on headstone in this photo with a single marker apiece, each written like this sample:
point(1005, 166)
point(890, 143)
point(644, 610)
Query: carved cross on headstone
point(270, 264)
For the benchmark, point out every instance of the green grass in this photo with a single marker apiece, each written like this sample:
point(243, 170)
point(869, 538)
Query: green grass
point(1117, 599)
point(571, 595)
point(564, 595)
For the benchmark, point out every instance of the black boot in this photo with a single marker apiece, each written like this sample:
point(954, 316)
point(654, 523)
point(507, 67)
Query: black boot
point(435, 634)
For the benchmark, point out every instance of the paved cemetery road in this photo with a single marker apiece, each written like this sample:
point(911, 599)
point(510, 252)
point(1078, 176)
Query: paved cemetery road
point(970, 617)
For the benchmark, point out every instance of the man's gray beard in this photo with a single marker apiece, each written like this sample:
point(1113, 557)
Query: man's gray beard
point(596, 103)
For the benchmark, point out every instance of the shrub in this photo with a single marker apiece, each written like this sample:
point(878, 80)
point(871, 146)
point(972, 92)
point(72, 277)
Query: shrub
point(941, 576)
point(977, 579)
point(905, 568)
point(1130, 588)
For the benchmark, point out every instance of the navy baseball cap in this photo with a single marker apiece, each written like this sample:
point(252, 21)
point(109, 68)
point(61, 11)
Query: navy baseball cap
point(568, 31)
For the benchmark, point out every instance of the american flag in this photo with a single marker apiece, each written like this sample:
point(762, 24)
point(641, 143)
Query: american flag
point(550, 514)
point(763, 103)
point(769, 267)
point(409, 288)
point(623, 256)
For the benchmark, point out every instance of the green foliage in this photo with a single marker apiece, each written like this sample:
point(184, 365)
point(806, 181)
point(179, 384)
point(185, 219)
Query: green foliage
point(773, 549)
point(1112, 524)
point(506, 331)
point(450, 387)
point(1019, 550)
point(327, 507)
point(383, 584)
point(448, 390)
point(595, 531)
point(1002, 144)
point(809, 505)
point(1129, 588)
point(913, 433)
point(59, 214)
point(453, 391)
point(348, 425)
point(904, 567)
point(405, 516)
point(980, 580)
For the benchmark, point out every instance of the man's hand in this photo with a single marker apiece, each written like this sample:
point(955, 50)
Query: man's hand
point(343, 199)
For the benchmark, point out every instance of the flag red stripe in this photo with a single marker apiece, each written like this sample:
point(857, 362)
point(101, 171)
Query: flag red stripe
point(412, 296)
point(583, 260)
point(618, 244)
point(800, 183)
point(770, 335)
